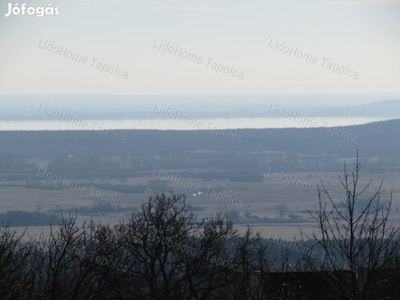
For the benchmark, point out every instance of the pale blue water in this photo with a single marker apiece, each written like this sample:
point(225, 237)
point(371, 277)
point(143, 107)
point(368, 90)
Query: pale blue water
point(185, 123)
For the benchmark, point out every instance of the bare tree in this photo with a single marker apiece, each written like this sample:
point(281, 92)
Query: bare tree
point(14, 257)
point(160, 252)
point(352, 237)
point(174, 256)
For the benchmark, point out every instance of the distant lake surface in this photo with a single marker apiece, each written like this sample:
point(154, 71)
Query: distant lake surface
point(186, 123)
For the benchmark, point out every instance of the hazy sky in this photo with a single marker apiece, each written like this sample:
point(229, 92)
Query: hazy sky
point(238, 35)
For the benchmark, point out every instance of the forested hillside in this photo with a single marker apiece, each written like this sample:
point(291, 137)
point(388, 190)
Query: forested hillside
point(84, 153)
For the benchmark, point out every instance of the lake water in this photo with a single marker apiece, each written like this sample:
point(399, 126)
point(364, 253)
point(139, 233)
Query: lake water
point(185, 124)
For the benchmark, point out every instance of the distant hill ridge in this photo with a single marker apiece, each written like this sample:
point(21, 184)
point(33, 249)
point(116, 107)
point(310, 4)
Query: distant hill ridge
point(92, 107)
point(383, 109)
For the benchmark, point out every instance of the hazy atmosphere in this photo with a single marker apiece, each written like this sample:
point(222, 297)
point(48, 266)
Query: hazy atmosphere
point(143, 40)
point(200, 149)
